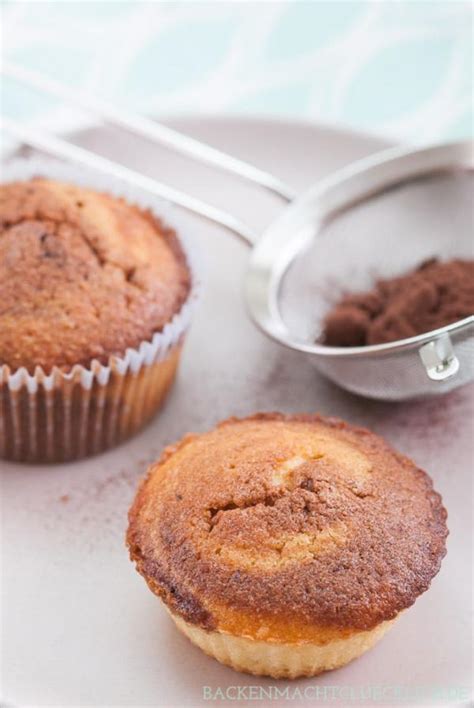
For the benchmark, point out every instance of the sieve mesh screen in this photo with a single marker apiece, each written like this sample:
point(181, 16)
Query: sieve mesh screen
point(384, 236)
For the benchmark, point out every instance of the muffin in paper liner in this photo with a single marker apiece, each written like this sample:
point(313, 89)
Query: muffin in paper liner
point(286, 545)
point(279, 659)
point(65, 415)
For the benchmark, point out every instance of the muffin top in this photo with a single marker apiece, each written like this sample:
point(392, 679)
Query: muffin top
point(83, 275)
point(286, 528)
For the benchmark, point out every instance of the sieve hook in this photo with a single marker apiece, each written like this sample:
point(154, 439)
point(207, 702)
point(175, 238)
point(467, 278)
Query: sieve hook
point(439, 359)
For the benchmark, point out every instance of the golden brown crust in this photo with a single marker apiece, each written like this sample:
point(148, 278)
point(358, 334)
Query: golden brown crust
point(287, 528)
point(83, 275)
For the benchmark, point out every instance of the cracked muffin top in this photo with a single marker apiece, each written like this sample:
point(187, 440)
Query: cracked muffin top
point(83, 275)
point(286, 528)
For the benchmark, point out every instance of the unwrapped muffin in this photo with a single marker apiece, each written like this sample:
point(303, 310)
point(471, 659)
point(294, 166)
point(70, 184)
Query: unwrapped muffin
point(91, 291)
point(286, 545)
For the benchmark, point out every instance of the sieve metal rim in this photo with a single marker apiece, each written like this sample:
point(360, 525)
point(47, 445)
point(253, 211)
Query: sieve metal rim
point(273, 253)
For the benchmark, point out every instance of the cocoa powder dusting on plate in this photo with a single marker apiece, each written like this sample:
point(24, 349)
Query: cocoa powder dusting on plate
point(433, 295)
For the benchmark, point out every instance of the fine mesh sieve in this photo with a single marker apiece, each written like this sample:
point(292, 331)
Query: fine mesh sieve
point(377, 218)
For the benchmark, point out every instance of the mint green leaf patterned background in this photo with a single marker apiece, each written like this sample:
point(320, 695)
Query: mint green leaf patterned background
point(402, 69)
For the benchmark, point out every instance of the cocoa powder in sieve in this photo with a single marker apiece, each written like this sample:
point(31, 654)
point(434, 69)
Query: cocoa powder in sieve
point(435, 294)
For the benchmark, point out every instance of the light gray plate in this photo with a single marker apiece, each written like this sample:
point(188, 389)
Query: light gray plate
point(80, 627)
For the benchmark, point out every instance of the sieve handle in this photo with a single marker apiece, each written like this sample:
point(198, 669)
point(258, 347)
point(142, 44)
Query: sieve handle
point(68, 151)
point(151, 130)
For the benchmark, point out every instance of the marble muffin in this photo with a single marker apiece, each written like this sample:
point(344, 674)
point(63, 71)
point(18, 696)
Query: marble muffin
point(286, 545)
point(84, 277)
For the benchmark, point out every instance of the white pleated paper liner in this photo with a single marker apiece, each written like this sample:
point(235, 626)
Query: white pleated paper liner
point(64, 415)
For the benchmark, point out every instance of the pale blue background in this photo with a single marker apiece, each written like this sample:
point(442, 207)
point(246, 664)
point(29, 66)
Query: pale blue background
point(401, 69)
